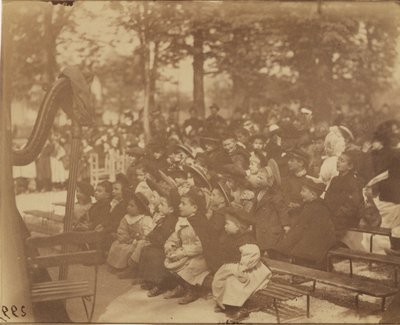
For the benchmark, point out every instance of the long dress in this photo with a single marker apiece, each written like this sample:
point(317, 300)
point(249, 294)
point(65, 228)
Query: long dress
point(131, 238)
point(192, 267)
point(58, 172)
point(242, 276)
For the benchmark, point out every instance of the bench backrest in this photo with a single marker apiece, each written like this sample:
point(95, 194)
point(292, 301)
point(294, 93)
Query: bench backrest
point(373, 257)
point(372, 230)
point(338, 280)
point(91, 238)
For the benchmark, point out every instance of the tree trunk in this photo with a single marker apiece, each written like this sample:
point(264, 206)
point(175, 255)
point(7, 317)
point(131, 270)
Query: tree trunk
point(198, 72)
point(147, 93)
point(50, 47)
point(239, 93)
point(153, 76)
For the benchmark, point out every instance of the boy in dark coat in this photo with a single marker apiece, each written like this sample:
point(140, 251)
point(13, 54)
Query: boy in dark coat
point(270, 211)
point(344, 195)
point(312, 232)
point(293, 182)
point(156, 277)
point(99, 212)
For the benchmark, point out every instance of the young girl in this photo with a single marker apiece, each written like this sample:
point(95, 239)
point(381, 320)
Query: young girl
point(84, 193)
point(133, 229)
point(99, 212)
point(242, 272)
point(184, 248)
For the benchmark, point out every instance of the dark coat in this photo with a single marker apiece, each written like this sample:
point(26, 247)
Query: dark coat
point(311, 235)
point(162, 231)
point(151, 264)
point(208, 238)
point(230, 244)
point(116, 215)
point(291, 187)
point(99, 213)
point(389, 190)
point(270, 215)
point(344, 198)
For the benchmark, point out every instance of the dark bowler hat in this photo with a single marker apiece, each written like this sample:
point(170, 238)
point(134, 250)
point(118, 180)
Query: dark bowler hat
point(299, 154)
point(239, 215)
point(220, 185)
point(180, 147)
point(215, 106)
point(314, 185)
point(200, 178)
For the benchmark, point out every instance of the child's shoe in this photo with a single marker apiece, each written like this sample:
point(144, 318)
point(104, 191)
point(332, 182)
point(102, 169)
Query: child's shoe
point(177, 292)
point(190, 296)
point(154, 292)
point(238, 315)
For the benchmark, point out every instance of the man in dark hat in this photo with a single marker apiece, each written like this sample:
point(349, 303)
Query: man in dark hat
point(193, 125)
point(214, 122)
point(236, 155)
point(297, 162)
point(312, 232)
point(213, 154)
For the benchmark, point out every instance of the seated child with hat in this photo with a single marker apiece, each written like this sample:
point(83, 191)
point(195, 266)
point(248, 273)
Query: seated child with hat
point(312, 232)
point(133, 229)
point(242, 272)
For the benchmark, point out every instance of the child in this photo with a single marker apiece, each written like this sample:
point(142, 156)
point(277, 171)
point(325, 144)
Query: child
point(242, 272)
point(99, 212)
point(312, 233)
point(118, 203)
point(84, 193)
point(156, 277)
point(184, 248)
point(125, 252)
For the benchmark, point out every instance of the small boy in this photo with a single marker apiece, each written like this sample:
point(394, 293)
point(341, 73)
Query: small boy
point(156, 277)
point(184, 249)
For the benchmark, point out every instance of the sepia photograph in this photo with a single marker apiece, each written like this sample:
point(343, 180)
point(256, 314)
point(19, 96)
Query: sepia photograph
point(218, 162)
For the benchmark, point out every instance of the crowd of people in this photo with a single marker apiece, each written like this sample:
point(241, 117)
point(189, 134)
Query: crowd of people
point(202, 202)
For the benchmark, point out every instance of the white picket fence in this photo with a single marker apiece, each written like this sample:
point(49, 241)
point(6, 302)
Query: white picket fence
point(113, 164)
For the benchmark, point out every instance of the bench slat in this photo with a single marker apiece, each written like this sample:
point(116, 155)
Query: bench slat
point(372, 230)
point(287, 295)
point(91, 256)
point(55, 283)
point(372, 257)
point(65, 288)
point(342, 281)
point(292, 290)
point(61, 296)
point(273, 294)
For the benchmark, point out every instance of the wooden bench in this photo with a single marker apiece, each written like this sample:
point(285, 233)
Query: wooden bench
point(360, 286)
point(373, 231)
point(365, 256)
point(66, 289)
point(281, 292)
